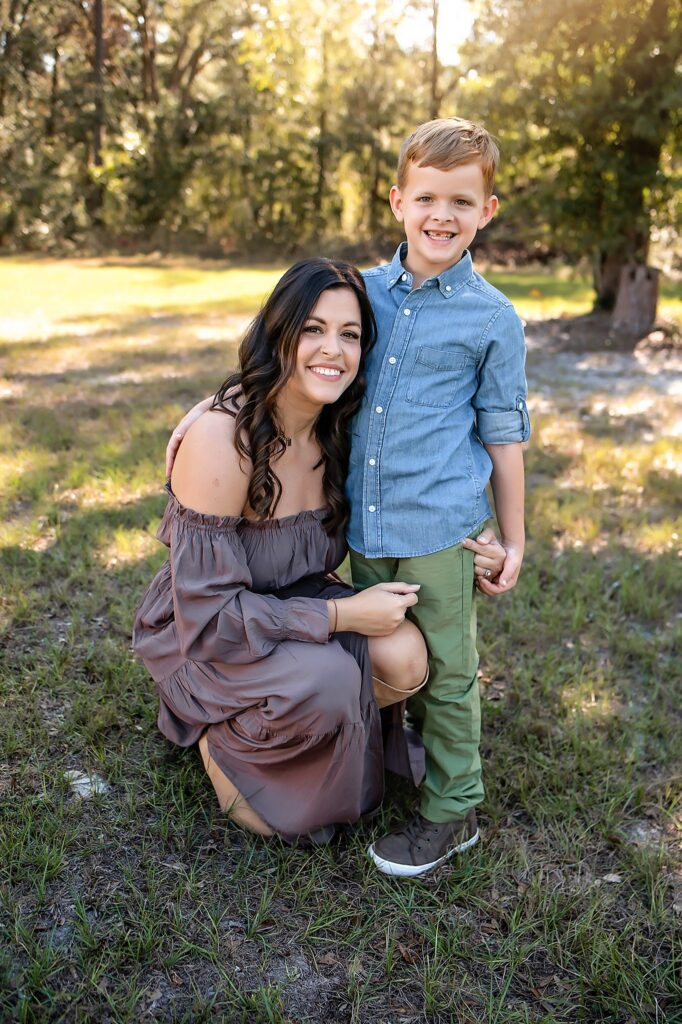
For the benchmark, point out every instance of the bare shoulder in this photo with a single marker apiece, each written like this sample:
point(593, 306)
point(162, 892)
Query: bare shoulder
point(208, 474)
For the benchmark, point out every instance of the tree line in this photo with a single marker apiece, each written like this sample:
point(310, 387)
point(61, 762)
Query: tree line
point(238, 126)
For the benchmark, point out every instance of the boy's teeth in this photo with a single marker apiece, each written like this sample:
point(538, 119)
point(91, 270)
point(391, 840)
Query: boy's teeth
point(440, 234)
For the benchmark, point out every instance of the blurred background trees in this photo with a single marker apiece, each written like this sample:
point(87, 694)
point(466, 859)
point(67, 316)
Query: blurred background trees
point(228, 126)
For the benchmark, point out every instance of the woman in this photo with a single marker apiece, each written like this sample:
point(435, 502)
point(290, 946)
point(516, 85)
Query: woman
point(259, 654)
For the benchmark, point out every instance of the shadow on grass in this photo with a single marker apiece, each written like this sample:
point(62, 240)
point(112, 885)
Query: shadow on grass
point(143, 903)
point(147, 881)
point(130, 325)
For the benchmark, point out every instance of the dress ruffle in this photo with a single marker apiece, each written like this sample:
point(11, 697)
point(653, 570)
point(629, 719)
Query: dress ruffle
point(234, 630)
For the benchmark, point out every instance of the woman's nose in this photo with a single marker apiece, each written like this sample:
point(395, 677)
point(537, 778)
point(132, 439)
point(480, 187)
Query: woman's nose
point(331, 342)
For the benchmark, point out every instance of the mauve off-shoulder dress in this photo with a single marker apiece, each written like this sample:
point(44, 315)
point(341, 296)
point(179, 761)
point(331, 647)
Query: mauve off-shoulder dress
point(234, 631)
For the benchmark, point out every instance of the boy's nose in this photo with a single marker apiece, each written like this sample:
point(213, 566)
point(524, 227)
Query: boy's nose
point(442, 212)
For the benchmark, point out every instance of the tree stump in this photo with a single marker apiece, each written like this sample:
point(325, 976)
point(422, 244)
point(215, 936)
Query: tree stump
point(635, 310)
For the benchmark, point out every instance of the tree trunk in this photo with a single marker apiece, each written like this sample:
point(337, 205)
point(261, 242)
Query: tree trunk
point(147, 29)
point(98, 31)
point(51, 123)
point(606, 279)
point(321, 184)
point(637, 301)
point(632, 248)
point(434, 106)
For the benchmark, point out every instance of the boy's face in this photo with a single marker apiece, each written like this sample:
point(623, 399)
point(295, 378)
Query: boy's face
point(441, 211)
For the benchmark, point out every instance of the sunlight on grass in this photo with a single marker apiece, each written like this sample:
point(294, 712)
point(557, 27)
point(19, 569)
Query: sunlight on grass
point(44, 292)
point(127, 546)
point(579, 669)
point(37, 293)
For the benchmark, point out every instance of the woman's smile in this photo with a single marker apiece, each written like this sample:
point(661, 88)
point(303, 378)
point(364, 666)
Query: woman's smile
point(332, 372)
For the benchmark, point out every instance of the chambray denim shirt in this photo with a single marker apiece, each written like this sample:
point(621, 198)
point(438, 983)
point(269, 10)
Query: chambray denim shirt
point(446, 375)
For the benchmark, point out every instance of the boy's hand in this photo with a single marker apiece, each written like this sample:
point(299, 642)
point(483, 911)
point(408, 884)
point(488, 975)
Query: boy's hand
point(489, 556)
point(509, 575)
point(180, 431)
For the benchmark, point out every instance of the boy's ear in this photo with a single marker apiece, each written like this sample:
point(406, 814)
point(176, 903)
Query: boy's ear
point(396, 200)
point(488, 211)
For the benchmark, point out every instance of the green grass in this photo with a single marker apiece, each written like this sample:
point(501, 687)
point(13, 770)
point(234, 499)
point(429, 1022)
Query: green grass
point(75, 290)
point(143, 903)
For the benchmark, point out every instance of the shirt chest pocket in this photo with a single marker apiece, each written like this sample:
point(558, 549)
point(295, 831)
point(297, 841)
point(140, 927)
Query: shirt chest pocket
point(439, 377)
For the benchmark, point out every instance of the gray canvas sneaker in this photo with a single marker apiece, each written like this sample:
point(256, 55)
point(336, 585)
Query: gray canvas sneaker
point(423, 844)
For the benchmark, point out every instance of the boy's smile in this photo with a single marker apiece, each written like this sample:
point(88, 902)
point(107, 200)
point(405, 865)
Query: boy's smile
point(441, 211)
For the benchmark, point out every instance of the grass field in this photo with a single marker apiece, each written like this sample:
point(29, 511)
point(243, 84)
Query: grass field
point(142, 902)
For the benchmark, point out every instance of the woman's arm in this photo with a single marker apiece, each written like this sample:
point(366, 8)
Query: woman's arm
point(208, 473)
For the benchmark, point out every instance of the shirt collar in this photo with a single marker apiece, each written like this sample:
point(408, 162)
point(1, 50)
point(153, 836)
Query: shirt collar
point(449, 282)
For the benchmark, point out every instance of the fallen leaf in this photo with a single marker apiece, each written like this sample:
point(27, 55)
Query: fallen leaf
point(612, 878)
point(408, 955)
point(327, 960)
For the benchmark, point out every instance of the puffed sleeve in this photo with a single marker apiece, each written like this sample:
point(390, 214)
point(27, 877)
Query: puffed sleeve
point(217, 616)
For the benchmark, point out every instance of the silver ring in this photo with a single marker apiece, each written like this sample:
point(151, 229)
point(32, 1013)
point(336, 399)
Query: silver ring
point(488, 573)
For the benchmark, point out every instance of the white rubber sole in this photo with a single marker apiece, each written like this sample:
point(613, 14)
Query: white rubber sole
point(412, 870)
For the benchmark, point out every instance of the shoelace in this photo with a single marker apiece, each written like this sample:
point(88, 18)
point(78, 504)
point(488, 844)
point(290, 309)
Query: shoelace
point(416, 829)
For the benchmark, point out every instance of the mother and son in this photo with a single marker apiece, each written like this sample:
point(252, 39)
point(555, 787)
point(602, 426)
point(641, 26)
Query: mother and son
point(368, 413)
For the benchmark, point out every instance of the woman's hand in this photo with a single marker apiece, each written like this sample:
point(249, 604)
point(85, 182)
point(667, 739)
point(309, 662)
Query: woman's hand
point(180, 431)
point(489, 559)
point(376, 611)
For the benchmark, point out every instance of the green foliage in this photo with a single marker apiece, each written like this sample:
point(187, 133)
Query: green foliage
point(232, 125)
point(228, 123)
point(586, 99)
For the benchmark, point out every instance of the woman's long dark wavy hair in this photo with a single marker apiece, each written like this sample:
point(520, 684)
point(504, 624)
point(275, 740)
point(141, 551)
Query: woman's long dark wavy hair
point(267, 359)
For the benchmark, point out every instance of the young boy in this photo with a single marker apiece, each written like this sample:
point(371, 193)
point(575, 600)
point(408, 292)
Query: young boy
point(445, 411)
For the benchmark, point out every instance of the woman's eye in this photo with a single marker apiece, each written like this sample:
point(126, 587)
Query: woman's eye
point(312, 329)
point(352, 336)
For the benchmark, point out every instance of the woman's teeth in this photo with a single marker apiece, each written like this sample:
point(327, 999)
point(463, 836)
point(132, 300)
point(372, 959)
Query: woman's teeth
point(324, 371)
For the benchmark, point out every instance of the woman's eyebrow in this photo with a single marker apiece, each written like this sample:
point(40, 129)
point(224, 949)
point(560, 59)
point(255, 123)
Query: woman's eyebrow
point(321, 320)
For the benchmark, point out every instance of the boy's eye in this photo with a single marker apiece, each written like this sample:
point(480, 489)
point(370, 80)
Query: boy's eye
point(424, 199)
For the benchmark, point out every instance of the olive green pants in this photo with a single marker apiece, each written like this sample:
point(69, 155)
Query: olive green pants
point(447, 711)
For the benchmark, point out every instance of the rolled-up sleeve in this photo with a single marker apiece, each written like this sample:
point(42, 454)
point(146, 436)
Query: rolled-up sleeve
point(500, 399)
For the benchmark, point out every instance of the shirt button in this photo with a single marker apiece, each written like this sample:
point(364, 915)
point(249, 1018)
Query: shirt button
point(448, 288)
point(372, 462)
point(372, 508)
point(407, 312)
point(391, 360)
point(404, 277)
point(379, 408)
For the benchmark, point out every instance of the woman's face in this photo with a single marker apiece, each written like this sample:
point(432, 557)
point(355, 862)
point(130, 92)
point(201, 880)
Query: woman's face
point(329, 350)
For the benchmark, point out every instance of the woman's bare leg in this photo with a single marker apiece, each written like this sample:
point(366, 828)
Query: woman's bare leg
point(399, 664)
point(229, 797)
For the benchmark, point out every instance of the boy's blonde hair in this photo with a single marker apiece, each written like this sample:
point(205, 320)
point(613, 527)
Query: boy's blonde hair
point(447, 142)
